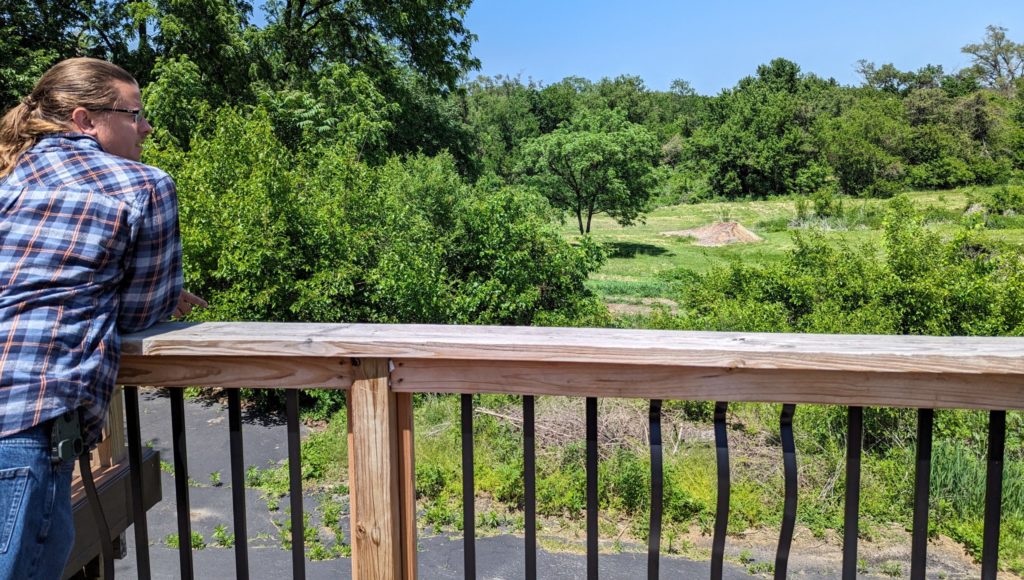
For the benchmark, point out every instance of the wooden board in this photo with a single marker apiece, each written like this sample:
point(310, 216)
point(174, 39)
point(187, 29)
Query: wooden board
point(236, 371)
point(716, 350)
point(915, 390)
point(407, 484)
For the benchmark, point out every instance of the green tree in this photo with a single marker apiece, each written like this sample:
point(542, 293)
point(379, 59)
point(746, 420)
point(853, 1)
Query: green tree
point(626, 93)
point(557, 103)
point(597, 163)
point(888, 78)
point(999, 60)
point(757, 137)
point(500, 112)
point(212, 34)
point(866, 145)
point(429, 37)
point(33, 36)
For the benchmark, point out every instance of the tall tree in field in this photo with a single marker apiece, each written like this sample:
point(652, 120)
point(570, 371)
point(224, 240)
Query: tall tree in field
point(596, 163)
point(999, 60)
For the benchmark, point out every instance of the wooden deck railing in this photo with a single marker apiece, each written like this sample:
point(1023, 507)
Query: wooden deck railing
point(382, 365)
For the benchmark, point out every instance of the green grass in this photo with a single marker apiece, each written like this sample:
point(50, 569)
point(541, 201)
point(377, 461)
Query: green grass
point(639, 255)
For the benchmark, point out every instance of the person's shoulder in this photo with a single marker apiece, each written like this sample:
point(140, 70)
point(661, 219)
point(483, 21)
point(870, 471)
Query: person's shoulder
point(116, 175)
point(133, 171)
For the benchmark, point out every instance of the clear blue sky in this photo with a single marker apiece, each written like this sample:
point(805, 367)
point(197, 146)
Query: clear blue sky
point(714, 44)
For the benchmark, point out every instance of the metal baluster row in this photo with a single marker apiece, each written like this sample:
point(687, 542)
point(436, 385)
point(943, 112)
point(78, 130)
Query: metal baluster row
point(855, 434)
point(997, 434)
point(237, 484)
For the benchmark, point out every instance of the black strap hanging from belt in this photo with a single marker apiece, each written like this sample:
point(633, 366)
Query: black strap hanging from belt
point(66, 444)
point(106, 545)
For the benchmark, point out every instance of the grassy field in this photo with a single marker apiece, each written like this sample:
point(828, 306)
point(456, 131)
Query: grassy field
point(637, 255)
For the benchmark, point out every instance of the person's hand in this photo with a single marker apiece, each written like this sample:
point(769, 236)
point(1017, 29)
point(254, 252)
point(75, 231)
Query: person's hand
point(186, 302)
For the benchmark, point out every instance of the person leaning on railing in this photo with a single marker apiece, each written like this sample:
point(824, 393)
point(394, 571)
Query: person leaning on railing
point(89, 249)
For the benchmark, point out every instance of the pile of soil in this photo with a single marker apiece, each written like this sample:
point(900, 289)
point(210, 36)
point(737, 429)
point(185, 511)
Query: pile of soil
point(717, 234)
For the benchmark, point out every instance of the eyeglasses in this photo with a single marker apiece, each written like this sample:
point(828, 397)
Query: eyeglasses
point(136, 113)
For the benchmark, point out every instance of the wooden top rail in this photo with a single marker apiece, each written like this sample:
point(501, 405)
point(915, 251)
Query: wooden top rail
point(902, 371)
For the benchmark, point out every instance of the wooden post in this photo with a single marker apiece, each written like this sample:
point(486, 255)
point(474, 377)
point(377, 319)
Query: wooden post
point(407, 484)
point(374, 473)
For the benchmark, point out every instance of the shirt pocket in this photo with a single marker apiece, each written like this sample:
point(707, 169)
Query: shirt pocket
point(12, 492)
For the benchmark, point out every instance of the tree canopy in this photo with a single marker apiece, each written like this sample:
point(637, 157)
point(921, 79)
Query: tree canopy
point(595, 163)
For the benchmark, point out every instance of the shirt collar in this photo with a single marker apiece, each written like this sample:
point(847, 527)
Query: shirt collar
point(69, 139)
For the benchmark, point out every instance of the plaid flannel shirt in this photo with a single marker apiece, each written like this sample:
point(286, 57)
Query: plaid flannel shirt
point(89, 248)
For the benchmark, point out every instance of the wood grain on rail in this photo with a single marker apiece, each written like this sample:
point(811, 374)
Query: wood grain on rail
point(236, 371)
point(717, 350)
point(914, 390)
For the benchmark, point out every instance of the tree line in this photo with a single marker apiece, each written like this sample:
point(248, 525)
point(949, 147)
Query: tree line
point(334, 163)
point(779, 131)
point(389, 77)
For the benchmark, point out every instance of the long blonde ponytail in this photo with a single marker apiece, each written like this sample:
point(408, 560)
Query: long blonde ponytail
point(71, 83)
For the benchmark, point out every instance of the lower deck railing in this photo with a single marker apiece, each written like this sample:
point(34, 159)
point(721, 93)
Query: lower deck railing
point(381, 367)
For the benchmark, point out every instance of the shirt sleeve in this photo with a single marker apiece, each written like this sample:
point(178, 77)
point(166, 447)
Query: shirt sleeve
point(153, 275)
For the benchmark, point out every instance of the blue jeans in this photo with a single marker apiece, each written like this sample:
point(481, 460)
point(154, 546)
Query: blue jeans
point(36, 527)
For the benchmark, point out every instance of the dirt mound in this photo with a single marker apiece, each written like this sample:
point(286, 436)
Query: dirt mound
point(717, 234)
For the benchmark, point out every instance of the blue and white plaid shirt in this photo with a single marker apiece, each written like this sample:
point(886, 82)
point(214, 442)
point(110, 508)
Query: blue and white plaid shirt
point(89, 248)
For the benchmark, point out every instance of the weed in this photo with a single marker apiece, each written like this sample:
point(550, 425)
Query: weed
point(223, 538)
point(215, 479)
point(761, 568)
point(252, 477)
point(173, 541)
point(491, 519)
point(892, 569)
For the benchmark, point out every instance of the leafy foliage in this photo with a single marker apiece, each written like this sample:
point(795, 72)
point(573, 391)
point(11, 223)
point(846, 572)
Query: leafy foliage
point(914, 283)
point(596, 163)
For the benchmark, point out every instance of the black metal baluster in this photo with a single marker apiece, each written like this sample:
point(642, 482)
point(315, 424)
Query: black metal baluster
point(722, 509)
point(295, 483)
point(789, 509)
point(919, 545)
point(468, 489)
point(854, 438)
point(657, 486)
point(139, 524)
point(993, 494)
point(592, 533)
point(530, 484)
point(181, 483)
point(238, 484)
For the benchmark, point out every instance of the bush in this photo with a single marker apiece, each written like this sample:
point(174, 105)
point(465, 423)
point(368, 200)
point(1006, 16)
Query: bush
point(913, 283)
point(1005, 199)
point(320, 236)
